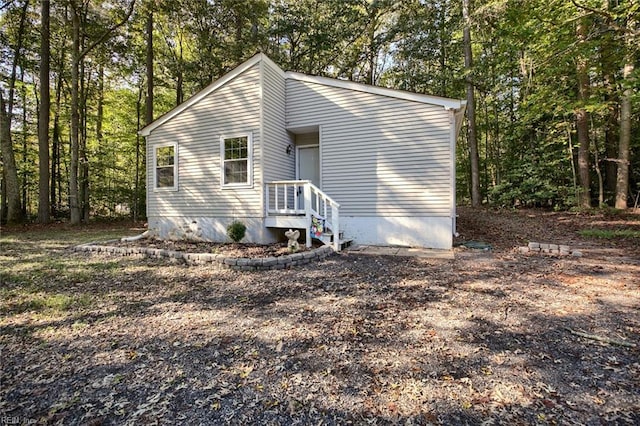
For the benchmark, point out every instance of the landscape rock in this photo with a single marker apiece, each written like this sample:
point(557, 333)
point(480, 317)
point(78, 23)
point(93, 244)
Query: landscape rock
point(238, 264)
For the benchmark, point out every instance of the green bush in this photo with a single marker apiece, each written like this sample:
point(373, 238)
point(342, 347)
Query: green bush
point(236, 230)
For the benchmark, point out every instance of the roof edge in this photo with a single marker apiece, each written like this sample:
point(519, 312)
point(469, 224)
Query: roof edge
point(146, 130)
point(447, 103)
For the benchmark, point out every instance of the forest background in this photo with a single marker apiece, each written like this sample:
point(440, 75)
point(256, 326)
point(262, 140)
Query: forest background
point(552, 85)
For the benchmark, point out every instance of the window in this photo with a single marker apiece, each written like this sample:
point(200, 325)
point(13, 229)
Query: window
point(236, 156)
point(165, 166)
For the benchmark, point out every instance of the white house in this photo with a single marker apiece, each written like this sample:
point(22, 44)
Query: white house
point(279, 150)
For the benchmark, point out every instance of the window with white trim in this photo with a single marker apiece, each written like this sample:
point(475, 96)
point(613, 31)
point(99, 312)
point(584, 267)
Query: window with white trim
point(165, 167)
point(236, 158)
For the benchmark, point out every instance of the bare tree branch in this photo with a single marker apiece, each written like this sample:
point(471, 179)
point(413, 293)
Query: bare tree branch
point(108, 32)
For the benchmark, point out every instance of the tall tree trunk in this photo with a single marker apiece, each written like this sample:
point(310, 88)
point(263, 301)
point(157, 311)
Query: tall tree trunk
point(14, 212)
point(442, 13)
point(99, 121)
point(137, 174)
point(149, 97)
point(609, 66)
point(622, 181)
point(471, 108)
point(100, 109)
point(77, 58)
point(56, 176)
point(148, 114)
point(179, 94)
point(371, 57)
point(596, 164)
point(611, 139)
point(3, 199)
point(25, 169)
point(44, 206)
point(74, 200)
point(84, 160)
point(582, 118)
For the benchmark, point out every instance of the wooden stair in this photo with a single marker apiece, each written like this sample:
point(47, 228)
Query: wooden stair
point(296, 204)
point(328, 239)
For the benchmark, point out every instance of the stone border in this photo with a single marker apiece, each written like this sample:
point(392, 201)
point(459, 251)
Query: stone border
point(558, 249)
point(220, 260)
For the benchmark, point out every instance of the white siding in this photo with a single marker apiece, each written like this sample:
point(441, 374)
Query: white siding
point(233, 108)
point(381, 156)
point(400, 231)
point(277, 165)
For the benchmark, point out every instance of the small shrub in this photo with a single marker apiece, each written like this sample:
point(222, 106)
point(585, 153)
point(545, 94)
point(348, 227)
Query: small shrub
point(236, 230)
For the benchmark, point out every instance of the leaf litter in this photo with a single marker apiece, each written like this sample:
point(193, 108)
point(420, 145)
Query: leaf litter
point(353, 339)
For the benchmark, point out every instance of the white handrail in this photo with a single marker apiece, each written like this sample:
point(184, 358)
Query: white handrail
point(315, 203)
point(288, 182)
point(325, 196)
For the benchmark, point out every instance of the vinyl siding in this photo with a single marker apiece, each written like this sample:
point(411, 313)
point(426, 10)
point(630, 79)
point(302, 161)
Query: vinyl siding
point(278, 165)
point(232, 109)
point(380, 155)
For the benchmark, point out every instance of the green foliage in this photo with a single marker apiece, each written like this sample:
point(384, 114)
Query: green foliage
point(524, 73)
point(610, 234)
point(18, 302)
point(236, 230)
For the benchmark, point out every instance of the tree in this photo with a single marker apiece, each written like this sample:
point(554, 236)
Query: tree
point(78, 55)
point(542, 73)
point(582, 117)
point(622, 181)
point(618, 21)
point(14, 211)
point(149, 68)
point(329, 38)
point(44, 206)
point(471, 109)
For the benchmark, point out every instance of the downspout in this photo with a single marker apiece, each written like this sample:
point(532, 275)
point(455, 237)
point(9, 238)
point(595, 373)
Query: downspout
point(263, 192)
point(145, 234)
point(456, 116)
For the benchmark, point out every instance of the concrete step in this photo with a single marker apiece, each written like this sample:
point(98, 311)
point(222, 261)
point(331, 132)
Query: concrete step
point(327, 238)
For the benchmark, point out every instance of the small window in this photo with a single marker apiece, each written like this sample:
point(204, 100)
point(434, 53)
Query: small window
point(236, 156)
point(166, 167)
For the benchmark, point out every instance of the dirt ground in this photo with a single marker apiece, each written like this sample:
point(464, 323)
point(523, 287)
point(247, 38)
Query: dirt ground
point(492, 337)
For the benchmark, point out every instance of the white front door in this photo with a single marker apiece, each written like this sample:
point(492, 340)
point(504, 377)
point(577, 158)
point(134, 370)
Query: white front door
point(308, 168)
point(309, 164)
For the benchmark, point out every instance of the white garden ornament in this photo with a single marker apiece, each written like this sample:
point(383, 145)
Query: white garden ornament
point(293, 236)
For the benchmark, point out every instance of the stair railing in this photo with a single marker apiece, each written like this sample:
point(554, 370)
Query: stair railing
point(301, 197)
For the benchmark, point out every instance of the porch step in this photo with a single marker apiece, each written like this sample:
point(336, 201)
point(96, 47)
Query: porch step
point(327, 239)
point(286, 222)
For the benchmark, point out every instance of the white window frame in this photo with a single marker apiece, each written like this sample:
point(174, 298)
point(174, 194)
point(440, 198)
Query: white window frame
point(249, 182)
point(174, 145)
